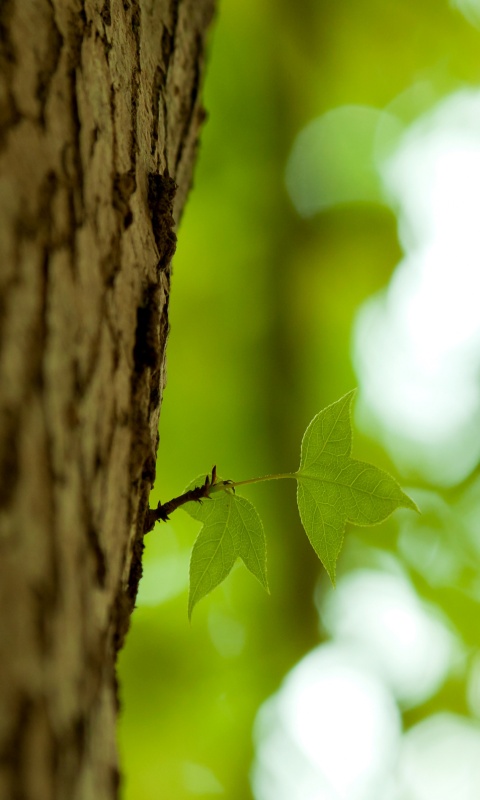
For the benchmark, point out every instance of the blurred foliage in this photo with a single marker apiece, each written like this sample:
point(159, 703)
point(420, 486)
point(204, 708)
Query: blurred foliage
point(261, 317)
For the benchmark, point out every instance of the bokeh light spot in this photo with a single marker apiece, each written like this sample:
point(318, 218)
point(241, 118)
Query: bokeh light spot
point(416, 345)
point(333, 159)
point(439, 759)
point(405, 643)
point(340, 719)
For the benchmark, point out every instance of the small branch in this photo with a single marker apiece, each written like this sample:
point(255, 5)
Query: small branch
point(162, 512)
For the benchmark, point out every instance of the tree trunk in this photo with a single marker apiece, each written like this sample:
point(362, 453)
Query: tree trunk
point(99, 119)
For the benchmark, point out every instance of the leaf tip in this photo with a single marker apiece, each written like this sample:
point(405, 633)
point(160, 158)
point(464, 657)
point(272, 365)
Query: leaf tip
point(192, 598)
point(407, 502)
point(349, 397)
point(332, 576)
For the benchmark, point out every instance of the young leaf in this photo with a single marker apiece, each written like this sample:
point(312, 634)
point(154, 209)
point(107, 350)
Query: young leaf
point(231, 529)
point(334, 489)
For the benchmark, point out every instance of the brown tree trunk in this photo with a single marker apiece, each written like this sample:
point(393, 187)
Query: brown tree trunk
point(99, 119)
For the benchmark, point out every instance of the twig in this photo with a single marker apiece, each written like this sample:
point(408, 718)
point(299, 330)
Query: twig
point(162, 512)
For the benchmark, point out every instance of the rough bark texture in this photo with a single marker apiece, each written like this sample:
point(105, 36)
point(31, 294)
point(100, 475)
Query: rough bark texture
point(99, 119)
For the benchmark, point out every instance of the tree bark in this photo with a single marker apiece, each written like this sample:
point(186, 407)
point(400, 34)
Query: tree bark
point(99, 119)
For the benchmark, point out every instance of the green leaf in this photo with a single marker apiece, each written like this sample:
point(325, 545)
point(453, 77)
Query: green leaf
point(231, 529)
point(334, 488)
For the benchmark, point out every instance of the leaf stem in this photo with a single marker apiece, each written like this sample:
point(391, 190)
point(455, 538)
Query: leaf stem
point(275, 477)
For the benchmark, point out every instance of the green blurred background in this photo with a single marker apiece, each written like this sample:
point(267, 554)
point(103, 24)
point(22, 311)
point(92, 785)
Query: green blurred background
point(267, 289)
